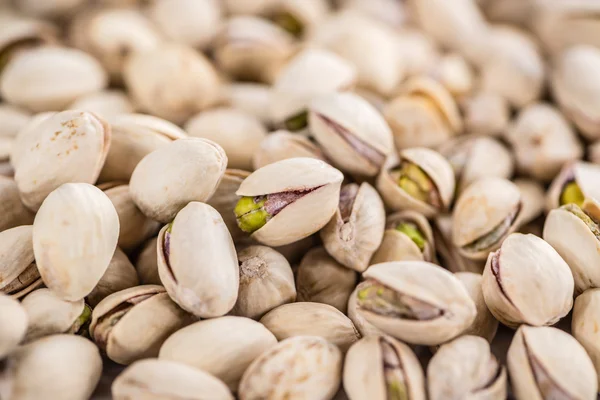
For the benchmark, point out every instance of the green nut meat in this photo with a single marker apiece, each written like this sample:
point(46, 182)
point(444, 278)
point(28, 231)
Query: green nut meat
point(572, 194)
point(413, 233)
point(251, 214)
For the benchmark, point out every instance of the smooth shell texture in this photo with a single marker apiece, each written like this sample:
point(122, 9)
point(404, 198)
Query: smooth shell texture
point(13, 119)
point(485, 324)
point(119, 275)
point(252, 98)
point(13, 325)
point(281, 145)
point(12, 211)
point(585, 323)
point(16, 253)
point(362, 325)
point(107, 103)
point(485, 113)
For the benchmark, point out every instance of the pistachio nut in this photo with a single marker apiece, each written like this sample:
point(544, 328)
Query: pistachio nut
point(547, 363)
point(224, 200)
point(49, 78)
point(527, 282)
point(146, 264)
point(447, 253)
point(455, 73)
point(421, 181)
point(161, 183)
point(55, 367)
point(53, 9)
point(297, 16)
point(13, 325)
point(254, 7)
point(543, 141)
point(356, 229)
point(252, 98)
point(124, 324)
point(584, 323)
point(485, 213)
point(364, 327)
point(311, 319)
point(466, 368)
point(75, 234)
point(48, 315)
point(168, 380)
point(224, 347)
point(13, 120)
point(321, 279)
point(119, 275)
point(415, 301)
point(417, 49)
point(26, 135)
point(171, 81)
point(304, 367)
point(18, 272)
point(380, 368)
point(197, 262)
point(281, 145)
point(105, 103)
point(12, 210)
point(351, 133)
point(533, 197)
point(294, 252)
point(575, 182)
point(485, 324)
point(237, 132)
point(288, 200)
point(485, 113)
point(515, 12)
point(266, 282)
point(389, 12)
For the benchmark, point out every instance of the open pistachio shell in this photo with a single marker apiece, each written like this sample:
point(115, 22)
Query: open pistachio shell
point(586, 318)
point(547, 363)
point(447, 253)
point(485, 324)
point(224, 347)
point(281, 145)
point(75, 234)
point(522, 259)
point(575, 182)
point(380, 368)
point(119, 275)
point(364, 327)
point(13, 325)
point(146, 264)
point(18, 272)
point(197, 262)
point(485, 113)
point(12, 210)
point(415, 301)
point(356, 229)
point(161, 183)
point(224, 200)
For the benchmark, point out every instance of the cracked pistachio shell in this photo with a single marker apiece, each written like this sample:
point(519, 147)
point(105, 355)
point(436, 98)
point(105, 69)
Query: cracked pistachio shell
point(50, 78)
point(585, 176)
point(161, 184)
point(351, 132)
point(18, 272)
point(167, 380)
point(356, 229)
point(485, 213)
point(433, 308)
point(224, 200)
point(70, 146)
point(466, 369)
point(447, 253)
point(485, 324)
point(485, 113)
point(508, 280)
point(146, 264)
point(423, 114)
point(455, 73)
point(124, 324)
point(586, 315)
point(437, 169)
point(64, 367)
point(307, 214)
point(237, 132)
point(281, 145)
point(312, 319)
point(397, 245)
point(75, 234)
point(12, 210)
point(171, 81)
point(13, 119)
point(321, 279)
point(547, 363)
point(380, 367)
point(119, 275)
point(107, 103)
point(13, 325)
point(224, 347)
point(364, 327)
point(197, 262)
point(251, 98)
point(266, 282)
point(304, 367)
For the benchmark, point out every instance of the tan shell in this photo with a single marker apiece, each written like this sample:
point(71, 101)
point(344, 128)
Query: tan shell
point(281, 145)
point(305, 367)
point(362, 325)
point(533, 199)
point(586, 175)
point(252, 98)
point(119, 275)
point(455, 73)
point(254, 7)
point(524, 259)
point(75, 234)
point(26, 135)
point(12, 211)
point(55, 367)
point(266, 282)
point(168, 380)
point(311, 319)
point(585, 321)
point(448, 254)
point(418, 50)
point(485, 113)
point(364, 375)
point(106, 103)
point(146, 264)
point(388, 12)
point(13, 120)
point(13, 325)
point(304, 216)
point(564, 362)
point(52, 9)
point(18, 272)
point(20, 32)
point(69, 146)
point(485, 324)
point(224, 347)
point(224, 200)
point(294, 252)
point(199, 269)
point(167, 179)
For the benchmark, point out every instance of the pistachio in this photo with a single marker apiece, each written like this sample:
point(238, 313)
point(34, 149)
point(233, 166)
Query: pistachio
point(447, 253)
point(12, 211)
point(251, 98)
point(453, 71)
point(418, 50)
point(575, 182)
point(485, 113)
point(146, 264)
point(18, 272)
point(281, 145)
point(485, 324)
point(584, 323)
point(26, 135)
point(106, 103)
point(13, 325)
point(224, 201)
point(533, 197)
point(119, 275)
point(56, 9)
point(364, 327)
point(14, 119)
point(297, 16)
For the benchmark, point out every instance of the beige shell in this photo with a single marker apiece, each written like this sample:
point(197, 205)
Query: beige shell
point(485, 324)
point(560, 362)
point(435, 166)
point(12, 210)
point(224, 347)
point(18, 272)
point(224, 200)
point(507, 278)
point(106, 103)
point(533, 197)
point(418, 50)
point(485, 113)
point(146, 264)
point(584, 323)
point(254, 7)
point(119, 275)
point(55, 367)
point(50, 9)
point(75, 234)
point(428, 283)
point(455, 73)
point(26, 135)
point(167, 179)
point(251, 98)
point(197, 262)
point(69, 146)
point(365, 369)
point(20, 33)
point(135, 334)
point(50, 78)
point(305, 367)
point(362, 325)
point(448, 254)
point(13, 119)
point(308, 13)
point(466, 368)
point(352, 239)
point(281, 145)
point(238, 133)
point(13, 325)
point(266, 282)
point(304, 216)
point(388, 12)
point(168, 380)
point(585, 175)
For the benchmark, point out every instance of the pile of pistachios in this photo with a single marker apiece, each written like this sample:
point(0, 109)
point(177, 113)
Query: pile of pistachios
point(299, 199)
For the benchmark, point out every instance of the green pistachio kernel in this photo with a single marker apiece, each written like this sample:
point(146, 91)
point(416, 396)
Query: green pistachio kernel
point(297, 122)
point(250, 213)
point(289, 23)
point(82, 323)
point(396, 390)
point(413, 233)
point(414, 181)
point(572, 194)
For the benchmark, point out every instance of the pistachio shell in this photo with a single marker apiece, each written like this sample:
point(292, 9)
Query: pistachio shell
point(26, 135)
point(75, 234)
point(307, 13)
point(585, 175)
point(533, 198)
point(281, 145)
point(106, 103)
point(453, 71)
point(119, 275)
point(224, 200)
point(52, 9)
point(13, 325)
point(585, 321)
point(146, 264)
point(486, 113)
point(417, 49)
point(252, 98)
point(485, 324)
point(362, 325)
point(21, 33)
point(18, 272)
point(13, 119)
point(254, 7)
point(12, 211)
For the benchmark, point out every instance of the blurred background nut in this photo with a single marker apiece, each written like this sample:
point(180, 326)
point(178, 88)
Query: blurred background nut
point(455, 73)
point(485, 113)
point(485, 324)
point(417, 49)
point(12, 211)
point(533, 199)
point(48, 9)
point(119, 275)
point(447, 253)
point(18, 272)
point(105, 103)
point(586, 314)
point(13, 325)
point(575, 182)
point(13, 119)
point(146, 264)
point(252, 98)
point(224, 201)
point(281, 145)
point(297, 16)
